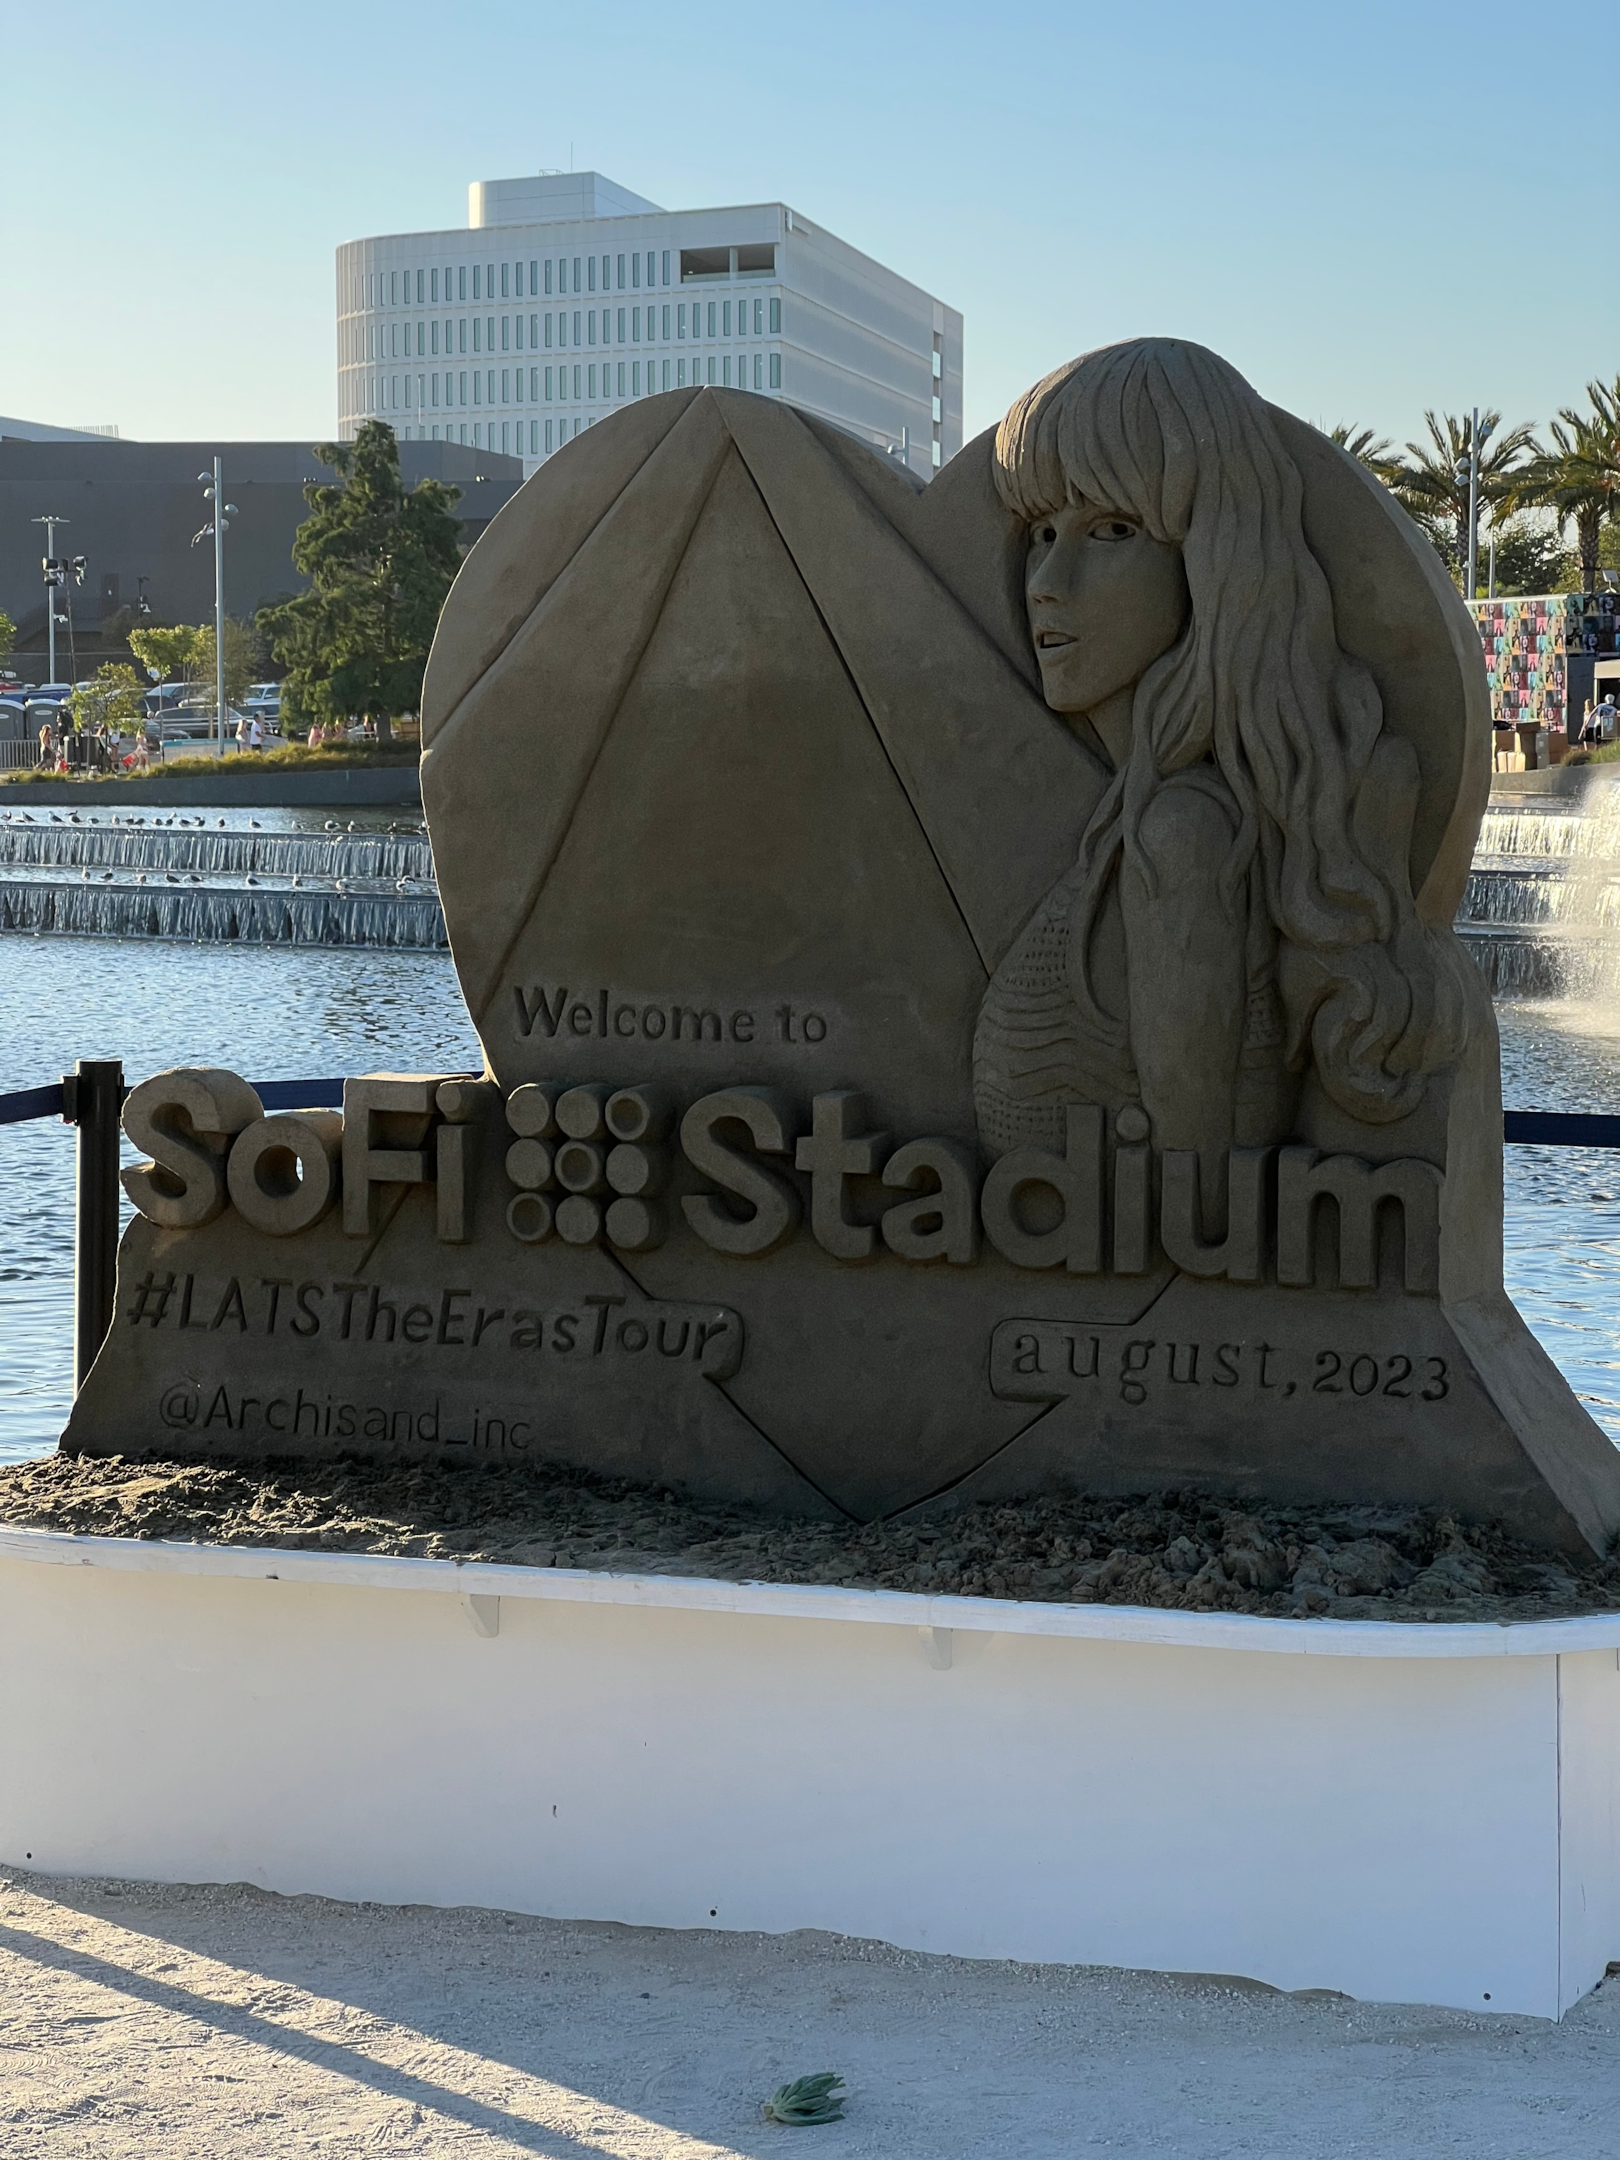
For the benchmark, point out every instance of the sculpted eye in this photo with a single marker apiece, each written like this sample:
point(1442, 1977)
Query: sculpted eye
point(1113, 529)
point(1043, 535)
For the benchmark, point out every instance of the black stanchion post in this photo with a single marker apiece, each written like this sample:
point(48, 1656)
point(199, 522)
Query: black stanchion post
point(92, 1097)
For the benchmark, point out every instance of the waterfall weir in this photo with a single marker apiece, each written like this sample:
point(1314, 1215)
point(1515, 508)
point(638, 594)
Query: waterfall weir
point(1543, 898)
point(183, 879)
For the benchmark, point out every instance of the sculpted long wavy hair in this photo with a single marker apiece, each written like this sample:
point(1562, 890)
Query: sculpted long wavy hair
point(1171, 435)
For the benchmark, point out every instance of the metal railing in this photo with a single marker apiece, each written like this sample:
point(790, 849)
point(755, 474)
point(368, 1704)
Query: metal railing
point(91, 1098)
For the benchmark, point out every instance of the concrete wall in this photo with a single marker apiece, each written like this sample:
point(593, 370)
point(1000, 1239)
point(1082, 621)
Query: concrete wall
point(1399, 1812)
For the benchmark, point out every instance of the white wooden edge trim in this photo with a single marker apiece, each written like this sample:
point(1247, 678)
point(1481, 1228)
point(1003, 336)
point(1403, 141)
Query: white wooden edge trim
point(816, 1601)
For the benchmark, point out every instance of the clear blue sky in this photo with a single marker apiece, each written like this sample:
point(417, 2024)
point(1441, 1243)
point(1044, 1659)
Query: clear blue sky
point(1294, 185)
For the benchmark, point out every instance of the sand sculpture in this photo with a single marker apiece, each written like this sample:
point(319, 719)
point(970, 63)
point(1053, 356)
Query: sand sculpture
point(968, 994)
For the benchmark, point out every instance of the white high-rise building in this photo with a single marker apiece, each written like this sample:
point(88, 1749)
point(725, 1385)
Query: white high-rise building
point(567, 296)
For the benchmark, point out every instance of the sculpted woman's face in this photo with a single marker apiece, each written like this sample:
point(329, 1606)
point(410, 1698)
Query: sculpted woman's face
point(1105, 600)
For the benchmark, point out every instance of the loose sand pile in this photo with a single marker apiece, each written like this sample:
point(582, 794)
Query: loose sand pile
point(1181, 1551)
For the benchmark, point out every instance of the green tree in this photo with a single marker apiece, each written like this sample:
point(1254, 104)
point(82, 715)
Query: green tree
point(8, 635)
point(380, 560)
point(241, 650)
point(114, 698)
point(1367, 448)
point(1530, 556)
point(1579, 477)
point(171, 650)
point(1431, 481)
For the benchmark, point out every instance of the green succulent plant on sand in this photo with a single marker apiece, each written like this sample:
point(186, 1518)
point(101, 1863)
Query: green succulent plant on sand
point(815, 2099)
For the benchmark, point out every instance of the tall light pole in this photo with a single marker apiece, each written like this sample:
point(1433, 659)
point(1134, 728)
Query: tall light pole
point(213, 487)
point(55, 577)
point(1473, 504)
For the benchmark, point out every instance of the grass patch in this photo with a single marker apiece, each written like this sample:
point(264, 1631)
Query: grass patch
point(295, 757)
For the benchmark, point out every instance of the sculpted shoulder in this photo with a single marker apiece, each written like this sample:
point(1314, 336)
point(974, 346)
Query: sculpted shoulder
point(1192, 819)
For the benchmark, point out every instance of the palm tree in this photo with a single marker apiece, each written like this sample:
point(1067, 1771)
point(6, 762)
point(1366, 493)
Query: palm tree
point(1579, 478)
point(1367, 448)
point(1431, 481)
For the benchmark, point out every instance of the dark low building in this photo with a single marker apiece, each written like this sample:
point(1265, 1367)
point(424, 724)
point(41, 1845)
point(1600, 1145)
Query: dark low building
point(132, 508)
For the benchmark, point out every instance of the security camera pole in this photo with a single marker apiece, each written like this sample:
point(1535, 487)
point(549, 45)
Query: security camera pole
point(54, 577)
point(214, 492)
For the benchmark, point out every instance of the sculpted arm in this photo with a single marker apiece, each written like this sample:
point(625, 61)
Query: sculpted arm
point(1184, 946)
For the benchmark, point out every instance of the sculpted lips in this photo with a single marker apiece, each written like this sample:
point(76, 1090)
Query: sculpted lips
point(1049, 640)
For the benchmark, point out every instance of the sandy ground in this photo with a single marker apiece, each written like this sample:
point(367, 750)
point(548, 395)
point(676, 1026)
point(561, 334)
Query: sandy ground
point(195, 2023)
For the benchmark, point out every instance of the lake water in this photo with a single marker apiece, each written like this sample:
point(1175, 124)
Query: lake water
point(274, 1014)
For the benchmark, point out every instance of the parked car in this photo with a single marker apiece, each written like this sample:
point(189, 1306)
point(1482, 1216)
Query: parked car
point(167, 695)
point(263, 698)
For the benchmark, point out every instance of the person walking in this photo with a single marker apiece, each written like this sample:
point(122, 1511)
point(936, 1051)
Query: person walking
point(255, 734)
point(47, 745)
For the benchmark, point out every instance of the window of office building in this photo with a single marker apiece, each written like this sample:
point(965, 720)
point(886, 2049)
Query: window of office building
point(506, 285)
point(590, 274)
point(620, 337)
point(534, 332)
point(506, 386)
point(759, 371)
point(712, 316)
point(549, 426)
point(776, 371)
point(517, 332)
point(433, 294)
point(462, 397)
point(506, 335)
point(590, 326)
point(935, 448)
point(620, 384)
point(680, 374)
point(576, 273)
point(635, 271)
point(664, 280)
point(478, 386)
point(606, 282)
point(776, 318)
point(548, 273)
point(393, 288)
point(534, 385)
point(435, 336)
point(759, 318)
point(478, 433)
point(578, 372)
point(725, 320)
point(620, 267)
point(666, 374)
point(490, 382)
point(461, 345)
point(478, 281)
point(577, 339)
point(711, 367)
point(591, 382)
point(534, 279)
point(666, 324)
point(489, 322)
point(680, 318)
point(461, 275)
point(478, 333)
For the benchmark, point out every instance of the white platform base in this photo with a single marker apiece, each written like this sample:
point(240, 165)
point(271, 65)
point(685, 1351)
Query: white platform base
point(1404, 1813)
